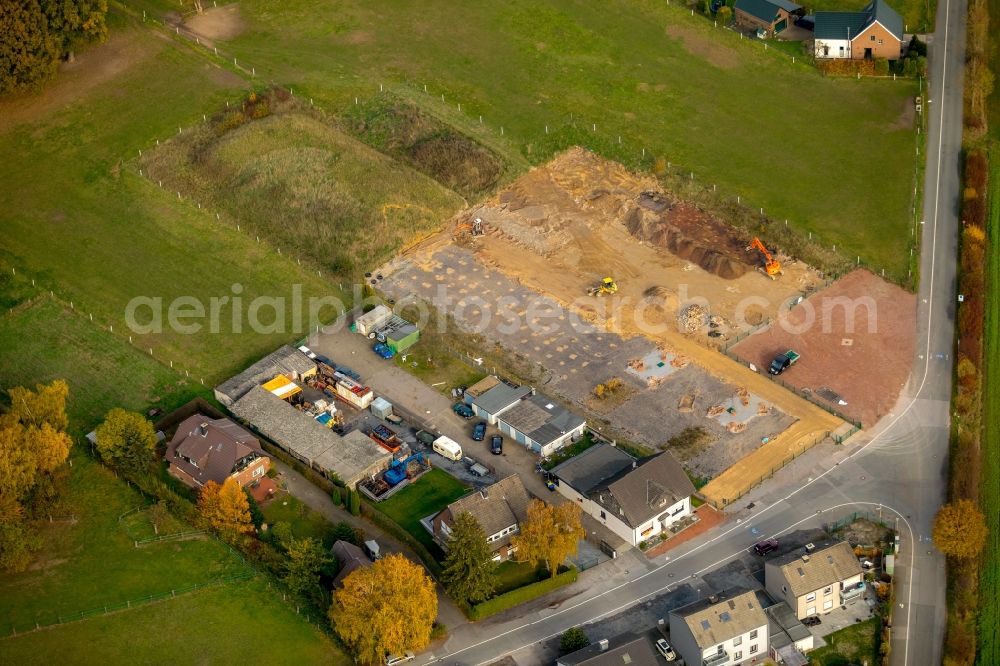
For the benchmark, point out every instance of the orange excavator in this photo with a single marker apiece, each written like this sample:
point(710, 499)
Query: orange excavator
point(771, 267)
point(474, 228)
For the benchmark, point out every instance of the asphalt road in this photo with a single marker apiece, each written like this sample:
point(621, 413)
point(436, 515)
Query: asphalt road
point(898, 469)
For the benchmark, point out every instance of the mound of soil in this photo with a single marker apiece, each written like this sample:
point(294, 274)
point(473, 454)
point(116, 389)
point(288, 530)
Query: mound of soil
point(689, 233)
point(427, 144)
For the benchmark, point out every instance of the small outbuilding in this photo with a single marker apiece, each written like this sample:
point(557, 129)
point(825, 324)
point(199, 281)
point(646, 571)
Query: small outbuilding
point(402, 338)
point(372, 320)
point(771, 16)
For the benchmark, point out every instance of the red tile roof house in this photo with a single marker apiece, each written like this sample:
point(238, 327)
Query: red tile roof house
point(205, 449)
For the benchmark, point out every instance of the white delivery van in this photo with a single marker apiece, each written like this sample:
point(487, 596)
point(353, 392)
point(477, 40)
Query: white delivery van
point(447, 447)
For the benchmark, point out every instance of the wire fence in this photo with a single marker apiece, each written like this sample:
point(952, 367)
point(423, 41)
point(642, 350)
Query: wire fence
point(750, 485)
point(115, 607)
point(874, 517)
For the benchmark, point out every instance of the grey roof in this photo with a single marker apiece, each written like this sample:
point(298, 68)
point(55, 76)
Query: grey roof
point(827, 564)
point(541, 419)
point(499, 397)
point(766, 10)
point(593, 467)
point(349, 557)
point(495, 507)
point(783, 627)
point(848, 25)
point(211, 449)
point(351, 457)
point(624, 649)
point(401, 332)
point(634, 490)
point(721, 617)
point(284, 360)
point(657, 483)
point(887, 16)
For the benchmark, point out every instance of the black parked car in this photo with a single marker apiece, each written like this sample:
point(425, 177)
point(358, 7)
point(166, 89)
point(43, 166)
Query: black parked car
point(811, 620)
point(479, 431)
point(765, 546)
point(463, 410)
point(496, 445)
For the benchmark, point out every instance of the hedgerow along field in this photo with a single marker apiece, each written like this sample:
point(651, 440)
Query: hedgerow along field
point(834, 156)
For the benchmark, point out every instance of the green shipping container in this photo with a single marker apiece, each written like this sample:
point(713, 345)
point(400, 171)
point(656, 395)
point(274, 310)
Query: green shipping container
point(402, 339)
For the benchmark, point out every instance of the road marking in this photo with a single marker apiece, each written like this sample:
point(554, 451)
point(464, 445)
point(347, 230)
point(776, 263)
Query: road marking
point(875, 437)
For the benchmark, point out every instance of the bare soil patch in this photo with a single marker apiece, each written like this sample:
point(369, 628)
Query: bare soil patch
point(217, 24)
point(92, 67)
point(359, 37)
point(563, 226)
point(856, 352)
point(698, 43)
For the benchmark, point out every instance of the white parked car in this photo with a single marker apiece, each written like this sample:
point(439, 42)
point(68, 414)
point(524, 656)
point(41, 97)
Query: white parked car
point(663, 647)
point(392, 659)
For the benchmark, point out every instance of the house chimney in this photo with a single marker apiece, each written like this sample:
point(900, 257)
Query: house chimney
point(713, 598)
point(634, 464)
point(603, 643)
point(203, 429)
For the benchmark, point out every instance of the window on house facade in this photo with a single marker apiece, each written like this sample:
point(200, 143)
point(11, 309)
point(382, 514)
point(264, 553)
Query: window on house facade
point(811, 610)
point(828, 590)
point(738, 640)
point(873, 38)
point(827, 605)
point(738, 655)
point(753, 648)
point(880, 41)
point(753, 634)
point(811, 596)
point(721, 649)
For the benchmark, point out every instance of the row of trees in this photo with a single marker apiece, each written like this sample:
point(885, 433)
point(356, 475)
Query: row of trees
point(548, 536)
point(38, 34)
point(33, 447)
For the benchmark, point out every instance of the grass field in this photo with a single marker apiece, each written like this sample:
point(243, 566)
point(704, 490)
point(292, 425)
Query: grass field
point(989, 582)
point(512, 575)
point(918, 15)
point(44, 340)
point(93, 562)
point(228, 624)
point(85, 226)
point(432, 492)
point(852, 645)
point(294, 178)
point(663, 81)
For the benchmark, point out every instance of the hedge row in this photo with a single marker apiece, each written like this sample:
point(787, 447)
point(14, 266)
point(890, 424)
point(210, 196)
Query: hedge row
point(522, 595)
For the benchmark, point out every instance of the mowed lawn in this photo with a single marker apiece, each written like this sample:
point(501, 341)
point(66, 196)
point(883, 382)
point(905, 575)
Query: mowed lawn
point(229, 624)
point(429, 494)
point(83, 224)
point(855, 644)
point(834, 156)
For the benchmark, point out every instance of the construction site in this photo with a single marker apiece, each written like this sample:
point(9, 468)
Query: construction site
point(598, 278)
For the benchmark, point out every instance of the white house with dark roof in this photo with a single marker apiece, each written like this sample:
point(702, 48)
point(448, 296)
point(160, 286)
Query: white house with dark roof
point(634, 498)
point(723, 629)
point(874, 32)
point(499, 509)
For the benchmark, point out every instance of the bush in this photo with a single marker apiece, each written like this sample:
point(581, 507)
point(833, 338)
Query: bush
point(522, 595)
point(573, 639)
point(336, 496)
